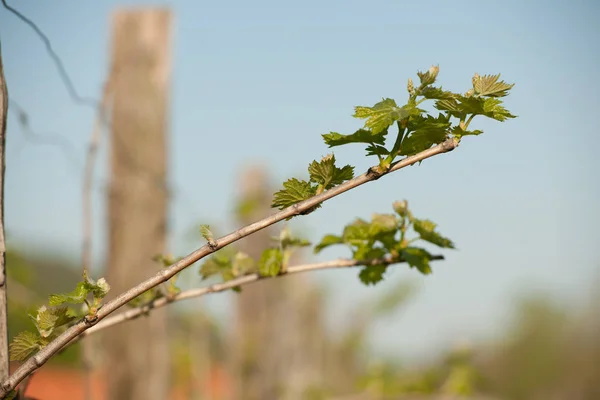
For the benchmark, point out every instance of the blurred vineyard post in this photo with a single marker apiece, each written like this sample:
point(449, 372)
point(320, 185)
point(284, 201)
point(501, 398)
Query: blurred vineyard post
point(137, 359)
point(276, 345)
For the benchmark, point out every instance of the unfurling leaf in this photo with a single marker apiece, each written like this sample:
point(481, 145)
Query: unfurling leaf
point(206, 233)
point(333, 139)
point(101, 288)
point(24, 345)
point(382, 115)
point(327, 174)
point(294, 191)
point(270, 262)
point(426, 230)
point(417, 258)
point(372, 274)
point(427, 78)
point(488, 85)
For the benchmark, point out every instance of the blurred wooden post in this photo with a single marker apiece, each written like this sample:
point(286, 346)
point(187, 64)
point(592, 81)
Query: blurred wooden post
point(278, 334)
point(137, 357)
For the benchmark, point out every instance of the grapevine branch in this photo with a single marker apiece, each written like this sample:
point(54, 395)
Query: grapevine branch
point(237, 282)
point(303, 207)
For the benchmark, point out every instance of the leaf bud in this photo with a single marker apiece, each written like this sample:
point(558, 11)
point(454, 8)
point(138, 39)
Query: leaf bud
point(401, 207)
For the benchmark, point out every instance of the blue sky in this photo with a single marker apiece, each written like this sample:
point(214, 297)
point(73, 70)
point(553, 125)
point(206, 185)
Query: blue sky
point(260, 81)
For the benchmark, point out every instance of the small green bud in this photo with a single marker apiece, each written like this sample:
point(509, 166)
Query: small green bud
point(433, 71)
point(475, 80)
point(410, 87)
point(401, 207)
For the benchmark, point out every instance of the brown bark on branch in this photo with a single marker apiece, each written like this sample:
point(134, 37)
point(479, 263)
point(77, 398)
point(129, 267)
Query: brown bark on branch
point(39, 359)
point(4, 364)
point(224, 286)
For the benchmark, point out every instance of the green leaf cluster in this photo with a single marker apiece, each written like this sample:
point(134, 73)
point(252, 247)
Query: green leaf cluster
point(81, 294)
point(50, 321)
point(323, 175)
point(416, 129)
point(230, 264)
point(383, 240)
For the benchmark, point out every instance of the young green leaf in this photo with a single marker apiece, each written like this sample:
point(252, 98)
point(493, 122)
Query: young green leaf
point(426, 230)
point(271, 262)
point(376, 150)
point(206, 233)
point(328, 240)
point(383, 224)
point(287, 240)
point(48, 319)
point(458, 132)
point(327, 174)
point(417, 258)
point(462, 106)
point(366, 251)
point(24, 345)
point(356, 232)
point(333, 139)
point(218, 263)
point(77, 296)
point(488, 85)
point(382, 115)
point(425, 132)
point(242, 264)
point(492, 109)
point(63, 316)
point(432, 92)
point(372, 274)
point(294, 191)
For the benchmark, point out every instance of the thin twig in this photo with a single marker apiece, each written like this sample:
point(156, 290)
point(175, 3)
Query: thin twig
point(4, 358)
point(237, 282)
point(39, 359)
